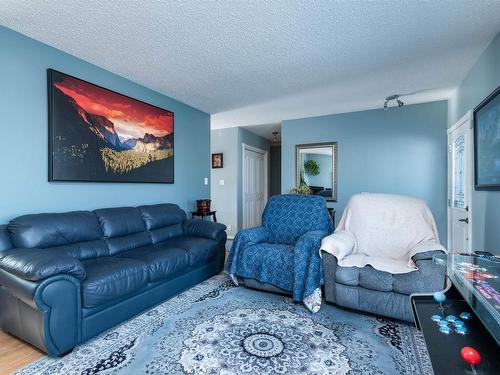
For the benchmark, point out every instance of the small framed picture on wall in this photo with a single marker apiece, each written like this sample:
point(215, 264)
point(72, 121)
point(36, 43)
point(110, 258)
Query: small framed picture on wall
point(217, 160)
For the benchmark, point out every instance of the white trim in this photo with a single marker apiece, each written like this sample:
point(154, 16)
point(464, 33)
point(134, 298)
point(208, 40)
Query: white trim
point(464, 118)
point(470, 184)
point(244, 147)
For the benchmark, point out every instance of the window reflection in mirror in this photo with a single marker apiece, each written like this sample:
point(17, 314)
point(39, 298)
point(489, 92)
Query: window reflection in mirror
point(316, 168)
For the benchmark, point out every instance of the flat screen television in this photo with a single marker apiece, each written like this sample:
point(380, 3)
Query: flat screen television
point(487, 143)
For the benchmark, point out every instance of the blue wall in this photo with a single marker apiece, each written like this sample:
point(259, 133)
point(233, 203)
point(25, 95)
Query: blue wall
point(482, 79)
point(400, 151)
point(227, 198)
point(224, 197)
point(23, 153)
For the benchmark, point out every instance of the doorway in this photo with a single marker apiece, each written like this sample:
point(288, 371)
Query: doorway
point(460, 185)
point(255, 185)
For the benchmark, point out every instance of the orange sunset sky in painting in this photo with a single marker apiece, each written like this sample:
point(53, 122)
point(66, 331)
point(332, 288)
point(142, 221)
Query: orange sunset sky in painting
point(132, 118)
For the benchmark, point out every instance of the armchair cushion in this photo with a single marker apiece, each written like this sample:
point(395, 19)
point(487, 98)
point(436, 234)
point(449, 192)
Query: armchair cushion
point(427, 279)
point(202, 228)
point(36, 264)
point(243, 239)
point(268, 263)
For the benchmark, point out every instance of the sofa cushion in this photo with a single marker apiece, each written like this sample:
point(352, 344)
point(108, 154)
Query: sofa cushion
point(120, 221)
point(199, 249)
point(162, 261)
point(163, 221)
point(109, 278)
point(123, 229)
point(38, 264)
point(161, 215)
point(82, 250)
point(427, 279)
point(132, 241)
point(347, 275)
point(48, 230)
point(370, 278)
point(162, 234)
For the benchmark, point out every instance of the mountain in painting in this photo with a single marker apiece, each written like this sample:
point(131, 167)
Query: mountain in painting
point(86, 144)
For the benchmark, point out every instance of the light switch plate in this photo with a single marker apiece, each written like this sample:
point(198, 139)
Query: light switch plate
point(206, 180)
point(221, 182)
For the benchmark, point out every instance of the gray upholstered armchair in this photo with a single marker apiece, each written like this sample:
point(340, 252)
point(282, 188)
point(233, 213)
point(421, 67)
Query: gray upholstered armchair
point(381, 253)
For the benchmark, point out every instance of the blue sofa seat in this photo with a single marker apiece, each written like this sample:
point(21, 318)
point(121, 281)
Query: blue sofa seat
point(109, 278)
point(199, 250)
point(162, 261)
point(66, 277)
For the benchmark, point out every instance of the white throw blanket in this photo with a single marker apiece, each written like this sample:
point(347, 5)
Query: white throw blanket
point(384, 231)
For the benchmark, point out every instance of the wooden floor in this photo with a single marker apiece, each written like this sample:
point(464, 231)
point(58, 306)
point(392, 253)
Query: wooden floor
point(15, 353)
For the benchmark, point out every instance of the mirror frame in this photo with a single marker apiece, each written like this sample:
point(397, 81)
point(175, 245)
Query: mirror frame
point(298, 168)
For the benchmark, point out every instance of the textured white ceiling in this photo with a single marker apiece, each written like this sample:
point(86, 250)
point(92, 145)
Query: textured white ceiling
point(220, 56)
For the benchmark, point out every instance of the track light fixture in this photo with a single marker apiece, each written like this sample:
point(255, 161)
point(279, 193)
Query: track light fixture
point(392, 98)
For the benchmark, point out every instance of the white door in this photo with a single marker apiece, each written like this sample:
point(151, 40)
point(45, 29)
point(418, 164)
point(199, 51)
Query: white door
point(460, 185)
point(254, 185)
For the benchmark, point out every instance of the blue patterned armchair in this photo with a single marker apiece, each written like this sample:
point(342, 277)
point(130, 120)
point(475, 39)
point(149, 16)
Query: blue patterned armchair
point(283, 254)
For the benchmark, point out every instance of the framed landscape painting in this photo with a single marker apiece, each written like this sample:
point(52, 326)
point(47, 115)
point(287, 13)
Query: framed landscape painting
point(99, 135)
point(487, 143)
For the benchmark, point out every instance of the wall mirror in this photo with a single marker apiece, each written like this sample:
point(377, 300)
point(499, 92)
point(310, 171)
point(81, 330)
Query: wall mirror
point(316, 167)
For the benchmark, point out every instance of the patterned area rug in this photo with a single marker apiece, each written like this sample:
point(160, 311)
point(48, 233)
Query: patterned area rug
point(215, 328)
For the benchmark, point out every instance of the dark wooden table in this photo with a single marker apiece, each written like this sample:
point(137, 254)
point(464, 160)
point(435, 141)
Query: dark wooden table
point(204, 214)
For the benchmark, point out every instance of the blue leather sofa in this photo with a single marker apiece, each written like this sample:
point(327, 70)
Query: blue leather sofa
point(66, 277)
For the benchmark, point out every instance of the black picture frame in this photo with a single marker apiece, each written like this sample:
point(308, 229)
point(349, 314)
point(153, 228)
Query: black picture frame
point(157, 170)
point(215, 160)
point(478, 152)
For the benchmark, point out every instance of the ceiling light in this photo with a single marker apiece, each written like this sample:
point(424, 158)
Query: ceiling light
point(391, 98)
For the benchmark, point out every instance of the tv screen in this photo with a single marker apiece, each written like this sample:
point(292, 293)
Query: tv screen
point(487, 143)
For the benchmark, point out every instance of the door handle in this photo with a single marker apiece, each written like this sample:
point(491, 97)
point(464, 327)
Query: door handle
point(466, 220)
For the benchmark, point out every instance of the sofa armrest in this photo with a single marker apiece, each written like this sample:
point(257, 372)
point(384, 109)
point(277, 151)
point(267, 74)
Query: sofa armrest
point(201, 228)
point(340, 244)
point(427, 255)
point(38, 264)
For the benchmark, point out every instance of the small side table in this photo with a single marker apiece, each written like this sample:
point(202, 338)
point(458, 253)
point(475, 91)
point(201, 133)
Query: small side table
point(204, 214)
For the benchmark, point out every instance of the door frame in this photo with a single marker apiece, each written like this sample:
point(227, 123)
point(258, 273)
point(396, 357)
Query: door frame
point(244, 147)
point(467, 118)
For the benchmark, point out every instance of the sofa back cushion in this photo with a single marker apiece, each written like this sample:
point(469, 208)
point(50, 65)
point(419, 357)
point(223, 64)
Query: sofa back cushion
point(123, 228)
point(75, 234)
point(163, 221)
point(289, 216)
point(49, 230)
